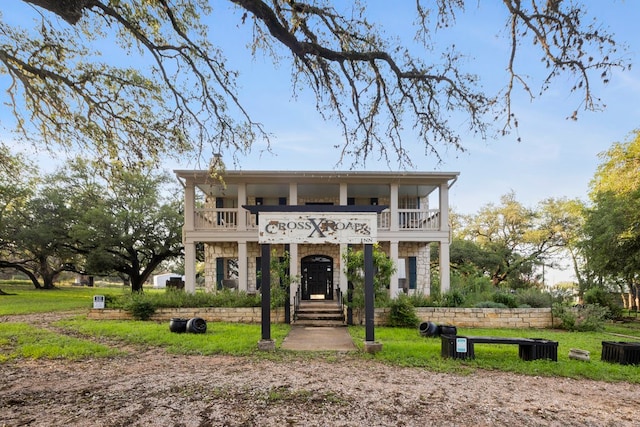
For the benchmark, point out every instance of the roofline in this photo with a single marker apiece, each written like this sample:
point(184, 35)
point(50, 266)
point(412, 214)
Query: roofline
point(330, 175)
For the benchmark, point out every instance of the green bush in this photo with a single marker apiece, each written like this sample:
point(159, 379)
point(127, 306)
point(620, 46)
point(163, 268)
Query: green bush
point(421, 300)
point(508, 300)
point(590, 317)
point(453, 299)
point(533, 298)
point(179, 299)
point(402, 313)
point(140, 307)
point(490, 304)
point(602, 297)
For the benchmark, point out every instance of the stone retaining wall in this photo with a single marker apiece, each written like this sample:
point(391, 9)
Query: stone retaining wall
point(460, 317)
point(481, 317)
point(210, 314)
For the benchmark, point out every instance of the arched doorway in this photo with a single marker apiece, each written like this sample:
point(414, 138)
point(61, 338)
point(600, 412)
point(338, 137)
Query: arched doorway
point(317, 277)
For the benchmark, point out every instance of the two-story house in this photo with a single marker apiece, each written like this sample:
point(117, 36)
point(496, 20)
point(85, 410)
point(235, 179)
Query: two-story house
point(215, 220)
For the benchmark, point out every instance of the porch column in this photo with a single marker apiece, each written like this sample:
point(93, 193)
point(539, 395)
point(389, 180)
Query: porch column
point(242, 266)
point(189, 205)
point(190, 268)
point(293, 193)
point(393, 207)
point(445, 276)
point(241, 221)
point(394, 288)
point(444, 206)
point(343, 193)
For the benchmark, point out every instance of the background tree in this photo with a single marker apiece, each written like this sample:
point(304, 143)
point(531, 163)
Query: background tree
point(612, 226)
point(511, 239)
point(130, 223)
point(17, 182)
point(42, 248)
point(183, 97)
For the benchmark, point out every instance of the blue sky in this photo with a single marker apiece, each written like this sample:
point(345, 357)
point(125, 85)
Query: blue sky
point(556, 158)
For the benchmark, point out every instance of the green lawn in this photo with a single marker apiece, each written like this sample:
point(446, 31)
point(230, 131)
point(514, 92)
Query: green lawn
point(79, 338)
point(405, 347)
point(25, 298)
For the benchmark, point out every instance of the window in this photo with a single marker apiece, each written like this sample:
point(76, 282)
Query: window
point(409, 203)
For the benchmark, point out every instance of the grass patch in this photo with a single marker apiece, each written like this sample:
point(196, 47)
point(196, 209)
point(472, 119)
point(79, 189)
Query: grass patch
point(21, 340)
point(405, 347)
point(221, 338)
point(26, 299)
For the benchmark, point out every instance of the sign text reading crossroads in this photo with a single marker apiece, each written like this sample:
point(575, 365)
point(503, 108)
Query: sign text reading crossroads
point(317, 228)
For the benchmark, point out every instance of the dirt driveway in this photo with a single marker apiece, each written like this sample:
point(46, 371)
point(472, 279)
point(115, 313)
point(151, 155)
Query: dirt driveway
point(153, 388)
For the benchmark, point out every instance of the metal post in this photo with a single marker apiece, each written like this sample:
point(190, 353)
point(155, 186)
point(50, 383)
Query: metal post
point(369, 295)
point(266, 291)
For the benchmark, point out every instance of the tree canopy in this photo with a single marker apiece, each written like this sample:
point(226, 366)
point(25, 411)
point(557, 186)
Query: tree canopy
point(76, 220)
point(507, 242)
point(183, 98)
point(612, 225)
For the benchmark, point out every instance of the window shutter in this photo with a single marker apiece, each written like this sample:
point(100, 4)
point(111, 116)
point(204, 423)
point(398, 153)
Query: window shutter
point(413, 272)
point(219, 272)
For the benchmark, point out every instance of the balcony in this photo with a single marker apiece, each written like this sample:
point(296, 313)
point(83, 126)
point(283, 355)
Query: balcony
point(227, 219)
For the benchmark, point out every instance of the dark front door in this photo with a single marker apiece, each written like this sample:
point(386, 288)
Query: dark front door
point(317, 277)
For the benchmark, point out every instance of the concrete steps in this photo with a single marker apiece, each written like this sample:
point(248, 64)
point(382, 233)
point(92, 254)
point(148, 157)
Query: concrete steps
point(319, 313)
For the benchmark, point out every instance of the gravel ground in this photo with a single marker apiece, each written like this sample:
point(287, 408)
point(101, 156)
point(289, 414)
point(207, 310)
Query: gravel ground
point(153, 388)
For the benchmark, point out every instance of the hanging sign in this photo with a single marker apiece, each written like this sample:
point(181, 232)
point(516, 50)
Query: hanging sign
point(317, 227)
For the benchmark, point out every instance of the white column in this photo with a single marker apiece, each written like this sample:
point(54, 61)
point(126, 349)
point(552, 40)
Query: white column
point(190, 268)
point(393, 207)
point(445, 276)
point(242, 267)
point(242, 213)
point(444, 206)
point(343, 193)
point(394, 288)
point(293, 193)
point(189, 205)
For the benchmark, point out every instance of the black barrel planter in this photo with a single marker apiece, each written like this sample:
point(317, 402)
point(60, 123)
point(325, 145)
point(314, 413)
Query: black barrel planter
point(447, 330)
point(177, 324)
point(197, 325)
point(428, 329)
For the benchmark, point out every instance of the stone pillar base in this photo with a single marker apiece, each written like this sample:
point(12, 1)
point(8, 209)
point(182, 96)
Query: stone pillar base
point(372, 347)
point(266, 345)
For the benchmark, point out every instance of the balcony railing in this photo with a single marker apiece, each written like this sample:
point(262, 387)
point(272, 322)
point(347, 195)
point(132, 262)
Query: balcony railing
point(219, 218)
point(228, 219)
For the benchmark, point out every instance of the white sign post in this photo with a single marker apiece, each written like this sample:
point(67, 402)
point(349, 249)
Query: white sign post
point(98, 301)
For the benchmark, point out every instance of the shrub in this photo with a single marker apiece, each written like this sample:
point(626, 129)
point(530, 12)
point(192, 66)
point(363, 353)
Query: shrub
point(421, 300)
point(533, 298)
point(452, 299)
point(509, 300)
point(140, 308)
point(590, 317)
point(177, 299)
point(490, 304)
point(402, 313)
point(600, 296)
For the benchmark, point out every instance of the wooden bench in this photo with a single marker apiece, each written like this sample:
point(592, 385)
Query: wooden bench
point(462, 347)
